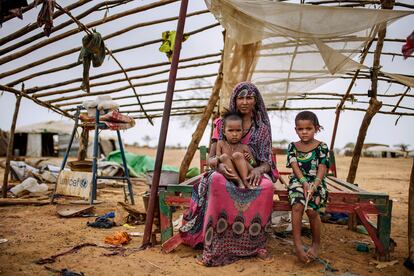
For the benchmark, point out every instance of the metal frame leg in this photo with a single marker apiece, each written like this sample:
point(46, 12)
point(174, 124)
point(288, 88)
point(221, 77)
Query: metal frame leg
point(121, 148)
point(65, 158)
point(95, 160)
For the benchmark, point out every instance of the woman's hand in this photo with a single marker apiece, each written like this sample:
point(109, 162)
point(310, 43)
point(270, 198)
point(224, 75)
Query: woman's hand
point(213, 162)
point(226, 171)
point(254, 176)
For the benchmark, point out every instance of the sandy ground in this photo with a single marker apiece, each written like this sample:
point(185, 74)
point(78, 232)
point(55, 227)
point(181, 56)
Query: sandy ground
point(36, 232)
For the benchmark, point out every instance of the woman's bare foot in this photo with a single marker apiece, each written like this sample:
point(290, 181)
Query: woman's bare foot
point(302, 256)
point(312, 252)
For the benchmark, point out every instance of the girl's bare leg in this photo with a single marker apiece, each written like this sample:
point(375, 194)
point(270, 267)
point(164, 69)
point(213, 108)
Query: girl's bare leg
point(297, 213)
point(226, 159)
point(242, 168)
point(315, 223)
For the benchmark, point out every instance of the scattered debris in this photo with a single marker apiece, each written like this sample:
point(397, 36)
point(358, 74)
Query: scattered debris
point(65, 210)
point(13, 202)
point(409, 264)
point(65, 272)
point(53, 258)
point(362, 247)
point(136, 234)
point(134, 216)
point(381, 265)
point(105, 221)
point(29, 185)
point(115, 250)
point(119, 238)
point(126, 225)
point(3, 241)
point(361, 229)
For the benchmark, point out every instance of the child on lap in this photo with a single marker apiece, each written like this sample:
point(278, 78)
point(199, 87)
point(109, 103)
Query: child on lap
point(230, 151)
point(309, 161)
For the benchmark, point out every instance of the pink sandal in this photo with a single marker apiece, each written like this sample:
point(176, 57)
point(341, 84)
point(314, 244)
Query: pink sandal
point(264, 255)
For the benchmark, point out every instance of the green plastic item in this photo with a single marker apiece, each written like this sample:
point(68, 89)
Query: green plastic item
point(168, 42)
point(194, 171)
point(138, 165)
point(361, 229)
point(362, 247)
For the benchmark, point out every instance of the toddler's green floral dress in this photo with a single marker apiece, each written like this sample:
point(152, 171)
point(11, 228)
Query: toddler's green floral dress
point(308, 163)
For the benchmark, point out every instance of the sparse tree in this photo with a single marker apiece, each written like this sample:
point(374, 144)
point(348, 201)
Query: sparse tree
point(402, 147)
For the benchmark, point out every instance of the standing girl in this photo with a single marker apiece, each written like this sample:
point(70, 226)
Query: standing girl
point(309, 161)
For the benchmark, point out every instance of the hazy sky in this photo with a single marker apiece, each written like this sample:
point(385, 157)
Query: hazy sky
point(382, 129)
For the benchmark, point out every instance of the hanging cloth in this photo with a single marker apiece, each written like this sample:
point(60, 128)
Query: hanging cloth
point(93, 49)
point(168, 42)
point(45, 16)
point(11, 7)
point(408, 47)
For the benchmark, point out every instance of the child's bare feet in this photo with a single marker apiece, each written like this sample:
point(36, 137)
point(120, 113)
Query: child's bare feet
point(246, 184)
point(240, 184)
point(312, 252)
point(302, 256)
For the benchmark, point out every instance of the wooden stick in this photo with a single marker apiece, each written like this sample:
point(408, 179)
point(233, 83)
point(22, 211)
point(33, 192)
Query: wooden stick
point(411, 217)
point(108, 19)
point(152, 74)
point(202, 124)
point(10, 144)
point(14, 202)
point(142, 95)
point(161, 109)
point(110, 53)
point(176, 100)
point(126, 87)
point(17, 92)
point(24, 9)
point(346, 95)
point(400, 99)
point(33, 26)
point(305, 95)
point(374, 105)
point(183, 112)
point(188, 78)
point(68, 66)
point(83, 144)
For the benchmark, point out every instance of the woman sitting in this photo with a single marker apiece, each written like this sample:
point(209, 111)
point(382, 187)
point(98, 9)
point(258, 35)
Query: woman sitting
point(227, 221)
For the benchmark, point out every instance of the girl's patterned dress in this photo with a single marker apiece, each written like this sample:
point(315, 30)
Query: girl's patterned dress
point(308, 163)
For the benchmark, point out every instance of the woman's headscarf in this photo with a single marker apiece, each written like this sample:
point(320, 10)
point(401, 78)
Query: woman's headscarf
point(245, 89)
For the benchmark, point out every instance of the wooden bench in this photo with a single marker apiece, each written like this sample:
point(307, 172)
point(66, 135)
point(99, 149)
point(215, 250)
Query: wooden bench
point(343, 197)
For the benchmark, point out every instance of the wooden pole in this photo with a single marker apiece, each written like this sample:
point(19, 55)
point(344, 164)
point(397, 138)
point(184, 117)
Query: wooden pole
point(118, 89)
point(373, 108)
point(411, 218)
point(115, 72)
point(83, 144)
point(10, 144)
point(201, 127)
point(33, 26)
point(164, 125)
point(344, 98)
point(135, 77)
point(58, 37)
point(374, 104)
point(54, 108)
